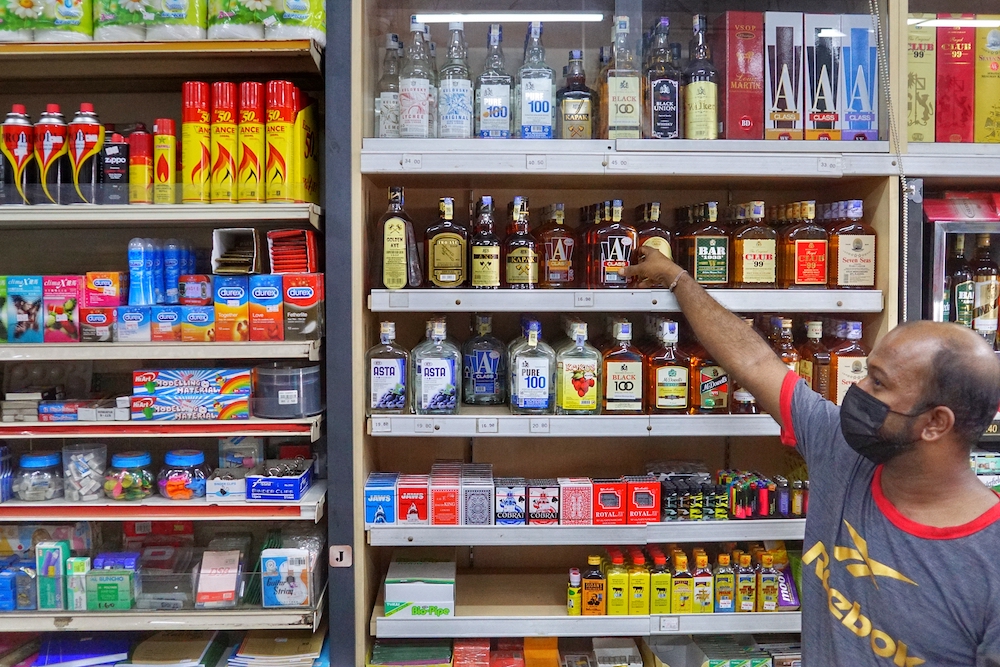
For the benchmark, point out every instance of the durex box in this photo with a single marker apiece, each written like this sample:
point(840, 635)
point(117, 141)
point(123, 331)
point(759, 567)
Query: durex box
point(739, 53)
point(380, 498)
point(267, 319)
point(956, 81)
point(133, 325)
point(61, 299)
point(98, 325)
point(191, 407)
point(861, 79)
point(24, 309)
point(104, 289)
point(642, 500)
point(824, 71)
point(303, 305)
point(198, 324)
point(609, 502)
point(510, 497)
point(921, 79)
point(165, 324)
point(180, 381)
point(783, 90)
point(232, 308)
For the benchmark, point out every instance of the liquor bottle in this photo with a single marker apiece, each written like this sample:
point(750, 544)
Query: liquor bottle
point(536, 90)
point(814, 361)
point(485, 366)
point(624, 373)
point(767, 584)
point(785, 346)
point(661, 88)
point(704, 597)
point(707, 245)
point(575, 102)
point(558, 245)
point(681, 587)
point(388, 368)
point(437, 364)
point(445, 248)
point(803, 250)
point(591, 217)
point(387, 103)
point(533, 375)
point(653, 232)
point(668, 384)
point(709, 385)
point(493, 91)
point(612, 247)
point(617, 575)
point(578, 375)
point(701, 93)
point(746, 584)
point(754, 250)
point(415, 79)
point(520, 250)
point(432, 106)
point(484, 248)
point(455, 88)
point(638, 585)
point(659, 585)
point(395, 263)
point(848, 362)
point(725, 586)
point(960, 286)
point(743, 402)
point(621, 116)
point(594, 588)
point(852, 250)
point(985, 280)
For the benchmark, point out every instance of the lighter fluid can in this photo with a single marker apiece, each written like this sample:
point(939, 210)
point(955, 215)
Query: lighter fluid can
point(18, 172)
point(52, 158)
point(224, 142)
point(250, 187)
point(86, 139)
point(281, 108)
point(196, 143)
point(164, 161)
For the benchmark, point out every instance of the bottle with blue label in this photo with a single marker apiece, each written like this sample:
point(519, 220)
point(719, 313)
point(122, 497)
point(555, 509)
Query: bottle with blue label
point(485, 366)
point(533, 375)
point(387, 364)
point(437, 363)
point(535, 91)
point(493, 91)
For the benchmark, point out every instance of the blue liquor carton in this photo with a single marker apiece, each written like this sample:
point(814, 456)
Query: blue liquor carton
point(380, 498)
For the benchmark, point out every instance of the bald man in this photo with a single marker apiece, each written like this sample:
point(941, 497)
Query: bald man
point(902, 541)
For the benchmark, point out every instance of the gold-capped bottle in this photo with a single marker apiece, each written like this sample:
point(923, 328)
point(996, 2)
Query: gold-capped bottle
point(594, 588)
point(652, 231)
point(557, 243)
point(755, 249)
point(445, 248)
point(707, 245)
point(395, 263)
point(621, 112)
point(701, 91)
point(852, 249)
point(614, 242)
point(848, 363)
point(814, 360)
point(484, 248)
point(804, 245)
point(520, 250)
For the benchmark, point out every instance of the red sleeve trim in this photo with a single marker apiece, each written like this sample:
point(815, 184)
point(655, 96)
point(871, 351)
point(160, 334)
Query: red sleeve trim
point(984, 520)
point(787, 391)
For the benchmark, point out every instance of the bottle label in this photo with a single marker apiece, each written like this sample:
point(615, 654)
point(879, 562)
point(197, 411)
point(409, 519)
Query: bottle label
point(984, 314)
point(559, 259)
point(850, 370)
point(946, 304)
point(536, 108)
point(965, 302)
point(682, 599)
point(437, 384)
point(746, 587)
point(388, 116)
point(623, 385)
point(532, 383)
point(758, 261)
point(623, 108)
point(447, 260)
point(672, 387)
point(522, 266)
point(616, 252)
point(768, 591)
point(414, 108)
point(481, 370)
point(493, 109)
point(577, 120)
point(394, 268)
point(810, 262)
point(741, 395)
point(578, 385)
point(660, 244)
point(711, 260)
point(455, 109)
point(856, 261)
point(703, 602)
point(713, 388)
point(806, 372)
point(701, 110)
point(664, 108)
point(387, 380)
point(486, 266)
point(724, 592)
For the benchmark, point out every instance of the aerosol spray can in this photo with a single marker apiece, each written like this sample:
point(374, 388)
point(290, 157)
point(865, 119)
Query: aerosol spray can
point(282, 102)
point(114, 181)
point(250, 183)
point(196, 143)
point(52, 158)
point(18, 171)
point(224, 142)
point(86, 139)
point(164, 161)
point(140, 167)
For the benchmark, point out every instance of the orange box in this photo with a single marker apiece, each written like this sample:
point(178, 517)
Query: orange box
point(105, 289)
point(232, 308)
point(267, 313)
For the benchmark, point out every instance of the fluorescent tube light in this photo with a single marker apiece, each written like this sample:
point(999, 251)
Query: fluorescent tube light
point(512, 17)
point(957, 23)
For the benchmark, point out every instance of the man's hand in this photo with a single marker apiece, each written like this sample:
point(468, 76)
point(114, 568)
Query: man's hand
point(654, 268)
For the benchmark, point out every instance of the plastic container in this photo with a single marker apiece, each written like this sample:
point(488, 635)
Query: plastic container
point(130, 476)
point(286, 391)
point(39, 476)
point(84, 466)
point(183, 475)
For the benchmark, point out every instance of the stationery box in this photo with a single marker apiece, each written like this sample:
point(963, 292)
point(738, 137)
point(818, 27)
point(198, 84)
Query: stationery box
point(380, 498)
point(134, 325)
point(98, 325)
point(190, 407)
point(110, 590)
point(165, 324)
point(291, 487)
point(24, 309)
point(987, 114)
point(219, 584)
point(232, 308)
point(956, 81)
point(411, 499)
point(286, 579)
point(921, 96)
point(181, 381)
point(576, 495)
point(861, 79)
point(643, 500)
point(510, 498)
point(543, 501)
point(50, 566)
point(61, 299)
point(739, 55)
point(783, 76)
point(77, 568)
point(219, 488)
point(420, 589)
point(609, 502)
point(824, 70)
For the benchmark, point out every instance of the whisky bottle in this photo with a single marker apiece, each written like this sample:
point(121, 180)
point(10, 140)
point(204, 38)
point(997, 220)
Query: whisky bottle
point(814, 361)
point(709, 384)
point(558, 246)
point(852, 250)
point(785, 347)
point(959, 286)
point(535, 90)
point(388, 368)
point(445, 248)
point(520, 251)
point(621, 116)
point(485, 366)
point(653, 232)
point(575, 102)
point(701, 94)
point(484, 248)
point(661, 90)
point(455, 89)
point(395, 263)
point(848, 362)
point(985, 280)
point(591, 220)
point(754, 250)
point(668, 373)
point(624, 373)
point(612, 249)
point(803, 249)
point(493, 91)
point(533, 375)
point(707, 244)
point(578, 375)
point(387, 102)
point(743, 402)
point(415, 79)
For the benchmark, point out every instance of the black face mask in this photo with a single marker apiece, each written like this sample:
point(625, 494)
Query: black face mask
point(862, 418)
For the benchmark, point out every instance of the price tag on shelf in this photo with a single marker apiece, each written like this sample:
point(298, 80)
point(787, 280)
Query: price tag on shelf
point(487, 425)
point(617, 163)
point(536, 162)
point(425, 425)
point(670, 624)
point(540, 425)
point(833, 164)
point(583, 300)
point(381, 425)
point(413, 161)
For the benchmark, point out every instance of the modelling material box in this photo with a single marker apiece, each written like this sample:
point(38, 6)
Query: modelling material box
point(380, 498)
point(24, 309)
point(261, 486)
point(609, 502)
point(823, 72)
point(411, 499)
point(543, 502)
point(232, 308)
point(921, 80)
point(420, 589)
point(61, 296)
point(110, 590)
point(267, 319)
point(179, 381)
point(198, 324)
point(642, 500)
point(987, 111)
point(105, 289)
point(956, 81)
point(739, 53)
point(303, 301)
point(134, 325)
point(859, 121)
point(576, 494)
point(191, 407)
point(784, 97)
point(98, 325)
point(510, 498)
point(165, 324)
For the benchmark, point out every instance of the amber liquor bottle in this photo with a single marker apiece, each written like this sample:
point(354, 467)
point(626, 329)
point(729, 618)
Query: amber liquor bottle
point(755, 250)
point(653, 232)
point(484, 248)
point(743, 402)
point(520, 250)
point(445, 248)
point(848, 363)
point(612, 249)
point(668, 374)
point(852, 249)
point(707, 244)
point(803, 251)
point(960, 292)
point(394, 262)
point(558, 247)
point(987, 290)
point(709, 384)
point(814, 360)
point(785, 346)
point(623, 369)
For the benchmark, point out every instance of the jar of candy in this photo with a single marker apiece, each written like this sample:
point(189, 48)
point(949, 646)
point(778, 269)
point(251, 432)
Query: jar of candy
point(39, 476)
point(129, 477)
point(183, 475)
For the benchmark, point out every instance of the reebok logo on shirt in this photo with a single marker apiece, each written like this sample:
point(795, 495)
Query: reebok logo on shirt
point(868, 567)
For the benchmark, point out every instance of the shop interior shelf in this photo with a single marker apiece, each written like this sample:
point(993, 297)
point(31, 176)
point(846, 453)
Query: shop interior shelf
point(157, 351)
point(51, 216)
point(305, 427)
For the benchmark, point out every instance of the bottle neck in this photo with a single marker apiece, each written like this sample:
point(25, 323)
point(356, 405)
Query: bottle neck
point(484, 224)
point(390, 64)
point(534, 52)
point(576, 75)
point(701, 50)
point(494, 58)
point(457, 50)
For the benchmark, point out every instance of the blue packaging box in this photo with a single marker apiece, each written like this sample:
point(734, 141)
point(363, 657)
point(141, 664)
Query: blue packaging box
point(134, 325)
point(262, 487)
point(25, 316)
point(380, 498)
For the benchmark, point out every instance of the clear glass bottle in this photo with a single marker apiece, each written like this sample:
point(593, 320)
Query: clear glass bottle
point(494, 91)
point(557, 243)
point(536, 90)
point(395, 263)
point(621, 112)
point(814, 361)
point(455, 88)
point(578, 375)
point(415, 80)
point(668, 385)
point(985, 280)
point(520, 250)
point(704, 596)
point(653, 232)
point(485, 367)
point(387, 102)
point(960, 286)
point(432, 107)
point(484, 248)
point(755, 250)
point(437, 364)
point(848, 362)
point(575, 102)
point(533, 375)
point(767, 584)
point(701, 92)
point(681, 587)
point(725, 586)
point(707, 245)
point(785, 347)
point(803, 249)
point(388, 374)
point(445, 248)
point(611, 250)
point(661, 89)
point(852, 250)
point(624, 373)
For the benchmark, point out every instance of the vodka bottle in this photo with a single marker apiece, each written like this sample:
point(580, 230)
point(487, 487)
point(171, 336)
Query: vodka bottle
point(485, 366)
point(436, 367)
point(493, 91)
point(387, 102)
point(536, 89)
point(415, 81)
point(455, 89)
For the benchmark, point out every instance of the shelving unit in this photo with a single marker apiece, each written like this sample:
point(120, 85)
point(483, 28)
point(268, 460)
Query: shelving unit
point(306, 427)
point(155, 351)
point(177, 215)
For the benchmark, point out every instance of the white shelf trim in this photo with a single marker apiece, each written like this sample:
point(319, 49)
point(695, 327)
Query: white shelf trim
point(138, 351)
point(306, 427)
point(52, 216)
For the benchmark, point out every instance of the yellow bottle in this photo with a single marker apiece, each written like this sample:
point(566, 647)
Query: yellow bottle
point(617, 586)
point(638, 583)
point(574, 594)
point(659, 586)
point(594, 588)
point(681, 587)
point(704, 600)
point(725, 584)
point(746, 585)
point(767, 584)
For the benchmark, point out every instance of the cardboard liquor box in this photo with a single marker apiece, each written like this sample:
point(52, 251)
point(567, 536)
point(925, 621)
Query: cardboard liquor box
point(784, 96)
point(609, 502)
point(739, 56)
point(921, 79)
point(859, 122)
point(577, 497)
point(824, 69)
point(954, 119)
point(987, 108)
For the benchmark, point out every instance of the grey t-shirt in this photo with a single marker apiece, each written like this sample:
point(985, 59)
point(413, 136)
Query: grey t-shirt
point(878, 588)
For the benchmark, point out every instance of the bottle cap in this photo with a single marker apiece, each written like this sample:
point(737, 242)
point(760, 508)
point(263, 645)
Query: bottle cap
point(786, 323)
point(701, 561)
point(854, 331)
point(252, 99)
point(131, 460)
point(165, 126)
point(18, 109)
point(140, 145)
point(281, 95)
point(40, 460)
point(495, 33)
point(593, 560)
point(680, 561)
point(438, 329)
point(664, 22)
point(392, 41)
point(766, 560)
point(415, 25)
point(52, 108)
point(668, 331)
point(855, 209)
point(194, 95)
point(388, 329)
point(618, 559)
point(623, 331)
point(574, 576)
point(744, 560)
point(638, 559)
point(117, 138)
point(535, 28)
point(446, 206)
point(456, 25)
point(724, 560)
point(814, 330)
point(184, 458)
point(659, 559)
point(576, 54)
point(86, 107)
point(621, 25)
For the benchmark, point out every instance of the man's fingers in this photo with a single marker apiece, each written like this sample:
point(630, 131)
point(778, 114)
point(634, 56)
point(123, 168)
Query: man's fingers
point(646, 283)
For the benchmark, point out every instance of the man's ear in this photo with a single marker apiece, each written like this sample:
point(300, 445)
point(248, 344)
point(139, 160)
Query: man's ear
point(940, 422)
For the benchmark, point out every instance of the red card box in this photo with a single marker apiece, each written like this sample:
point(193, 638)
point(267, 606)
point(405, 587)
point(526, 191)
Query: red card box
point(609, 502)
